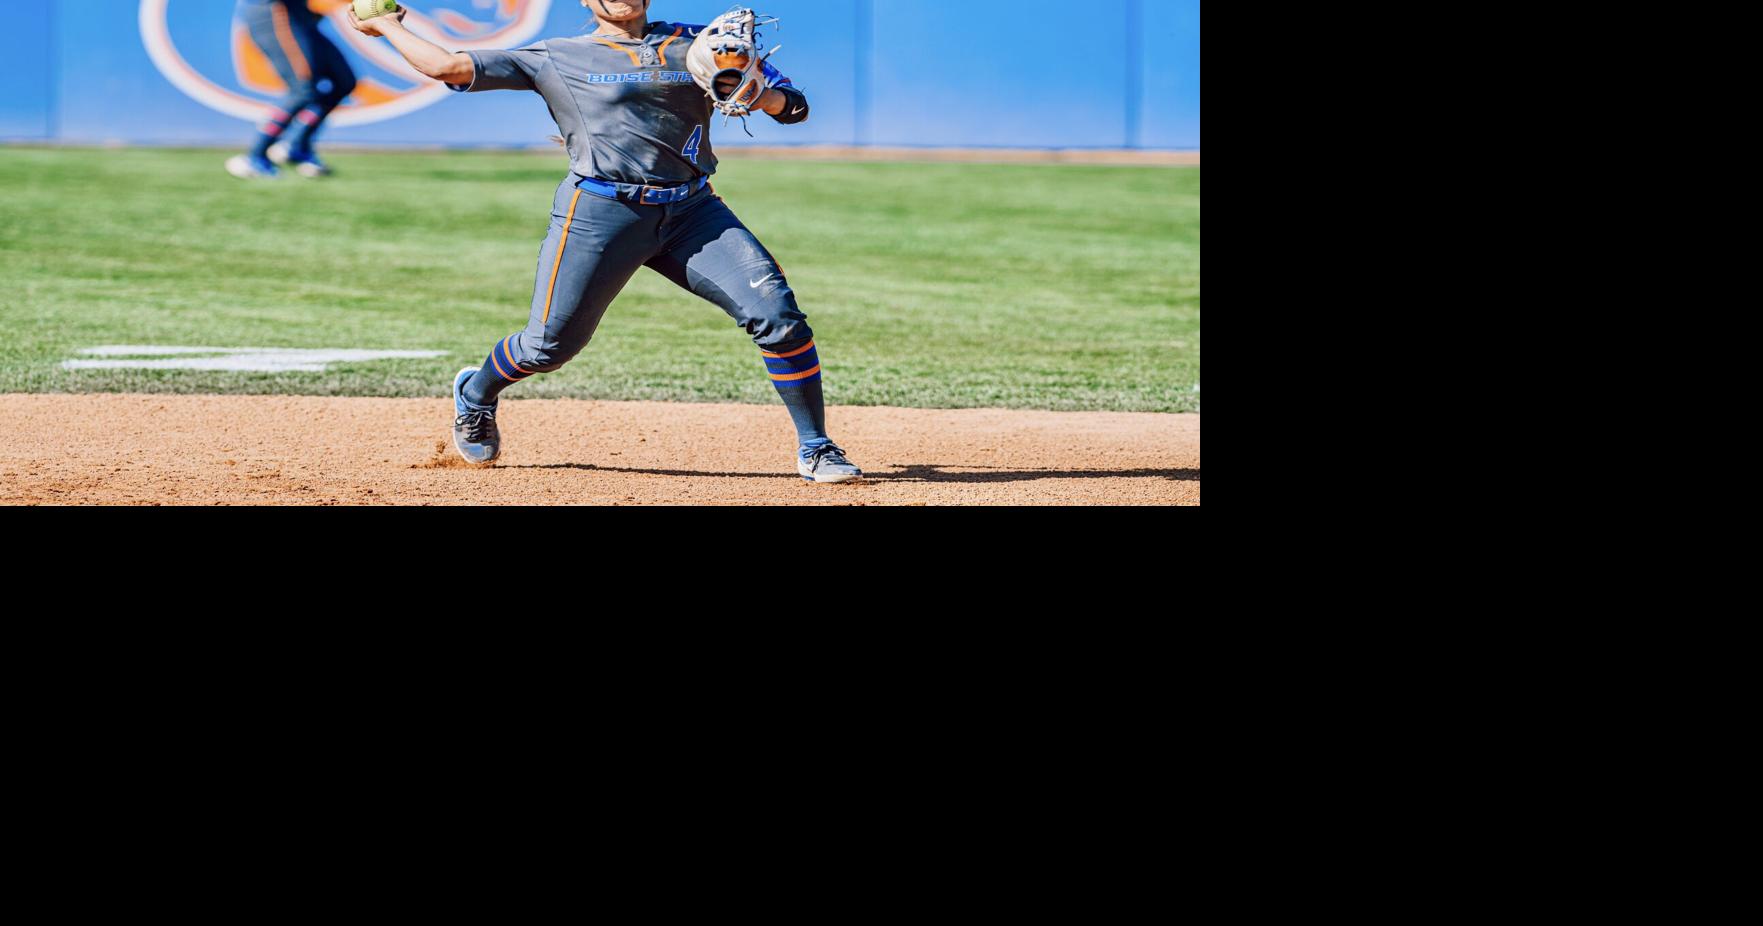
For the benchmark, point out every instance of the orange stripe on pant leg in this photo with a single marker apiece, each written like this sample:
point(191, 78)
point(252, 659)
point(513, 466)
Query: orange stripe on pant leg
point(290, 47)
point(561, 244)
point(792, 377)
point(795, 353)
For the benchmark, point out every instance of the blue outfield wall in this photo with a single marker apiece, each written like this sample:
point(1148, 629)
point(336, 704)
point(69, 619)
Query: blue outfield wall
point(26, 41)
point(993, 73)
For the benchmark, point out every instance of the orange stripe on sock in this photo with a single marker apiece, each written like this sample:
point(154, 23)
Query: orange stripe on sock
point(614, 45)
point(509, 355)
point(552, 289)
point(291, 48)
point(670, 40)
point(792, 377)
point(502, 347)
point(795, 353)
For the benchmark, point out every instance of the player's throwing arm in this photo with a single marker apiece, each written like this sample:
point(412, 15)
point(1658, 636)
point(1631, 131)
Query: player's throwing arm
point(634, 101)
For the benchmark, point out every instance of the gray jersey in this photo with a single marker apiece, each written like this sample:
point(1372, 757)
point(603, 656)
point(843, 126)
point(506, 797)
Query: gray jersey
point(628, 109)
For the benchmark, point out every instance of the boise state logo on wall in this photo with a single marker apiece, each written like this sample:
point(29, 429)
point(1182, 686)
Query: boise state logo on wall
point(207, 53)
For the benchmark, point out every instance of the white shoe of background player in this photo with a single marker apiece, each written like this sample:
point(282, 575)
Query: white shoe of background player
point(246, 167)
point(310, 166)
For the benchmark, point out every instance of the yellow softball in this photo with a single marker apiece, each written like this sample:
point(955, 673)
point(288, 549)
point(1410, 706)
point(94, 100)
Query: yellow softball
point(368, 9)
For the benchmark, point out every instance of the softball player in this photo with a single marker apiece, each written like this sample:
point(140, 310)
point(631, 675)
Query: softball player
point(318, 77)
point(637, 128)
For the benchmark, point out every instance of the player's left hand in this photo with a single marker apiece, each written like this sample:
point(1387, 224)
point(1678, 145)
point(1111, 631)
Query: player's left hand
point(773, 101)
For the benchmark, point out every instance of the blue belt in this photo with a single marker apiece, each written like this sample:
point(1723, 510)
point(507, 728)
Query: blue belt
point(640, 193)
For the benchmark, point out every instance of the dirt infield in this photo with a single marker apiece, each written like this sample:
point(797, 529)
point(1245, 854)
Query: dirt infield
point(281, 450)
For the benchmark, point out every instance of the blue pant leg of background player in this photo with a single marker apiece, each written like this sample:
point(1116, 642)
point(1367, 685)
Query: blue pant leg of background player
point(318, 78)
point(335, 81)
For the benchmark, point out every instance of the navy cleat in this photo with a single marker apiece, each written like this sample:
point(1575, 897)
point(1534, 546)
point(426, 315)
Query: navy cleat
point(306, 165)
point(248, 167)
point(826, 463)
point(474, 430)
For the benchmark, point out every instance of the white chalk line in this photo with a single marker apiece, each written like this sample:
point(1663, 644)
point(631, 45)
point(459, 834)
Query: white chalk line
point(234, 359)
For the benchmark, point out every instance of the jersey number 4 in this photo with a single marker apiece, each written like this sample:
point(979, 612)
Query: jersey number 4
point(691, 148)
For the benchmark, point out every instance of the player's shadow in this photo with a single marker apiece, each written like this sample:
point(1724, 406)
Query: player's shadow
point(933, 473)
point(639, 471)
point(910, 473)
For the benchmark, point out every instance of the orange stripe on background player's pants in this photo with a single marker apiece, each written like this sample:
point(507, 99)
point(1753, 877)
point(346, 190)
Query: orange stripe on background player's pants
point(670, 40)
point(290, 47)
point(795, 353)
point(615, 46)
point(792, 377)
point(255, 71)
point(561, 244)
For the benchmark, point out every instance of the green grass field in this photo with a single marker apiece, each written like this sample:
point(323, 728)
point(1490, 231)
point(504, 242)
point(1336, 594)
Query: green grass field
point(928, 285)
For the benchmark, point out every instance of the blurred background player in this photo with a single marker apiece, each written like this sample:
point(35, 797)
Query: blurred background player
point(318, 78)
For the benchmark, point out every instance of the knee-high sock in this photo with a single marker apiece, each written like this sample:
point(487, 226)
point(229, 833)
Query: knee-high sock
point(498, 373)
point(270, 131)
point(796, 374)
